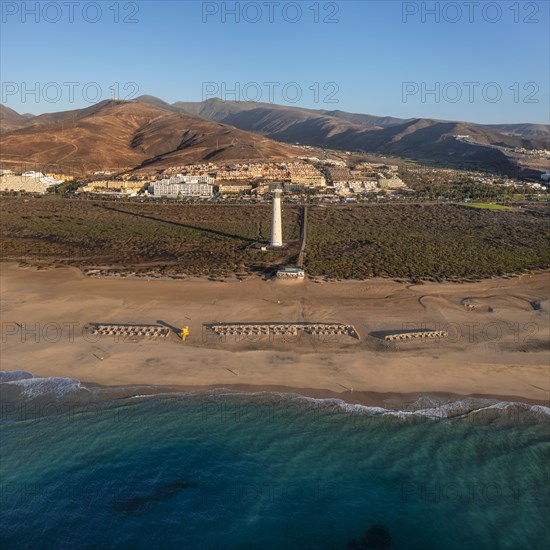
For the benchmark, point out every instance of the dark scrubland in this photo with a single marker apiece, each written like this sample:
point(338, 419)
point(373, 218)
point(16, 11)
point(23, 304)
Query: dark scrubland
point(412, 241)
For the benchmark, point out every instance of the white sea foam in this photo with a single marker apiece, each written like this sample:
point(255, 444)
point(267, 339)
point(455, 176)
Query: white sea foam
point(426, 406)
point(453, 409)
point(13, 375)
point(36, 387)
point(436, 409)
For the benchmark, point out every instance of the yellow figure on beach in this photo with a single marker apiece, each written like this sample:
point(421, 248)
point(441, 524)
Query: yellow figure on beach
point(184, 333)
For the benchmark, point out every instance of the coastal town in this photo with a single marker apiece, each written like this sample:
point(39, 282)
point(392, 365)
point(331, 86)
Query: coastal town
point(307, 178)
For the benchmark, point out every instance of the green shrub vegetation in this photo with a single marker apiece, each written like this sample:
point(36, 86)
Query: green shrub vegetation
point(425, 241)
point(346, 242)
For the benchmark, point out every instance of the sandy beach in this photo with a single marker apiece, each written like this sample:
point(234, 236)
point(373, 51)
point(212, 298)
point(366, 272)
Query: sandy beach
point(497, 345)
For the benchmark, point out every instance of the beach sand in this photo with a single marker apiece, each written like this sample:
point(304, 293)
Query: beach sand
point(498, 335)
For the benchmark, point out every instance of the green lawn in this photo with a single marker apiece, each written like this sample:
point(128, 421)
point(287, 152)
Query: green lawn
point(487, 206)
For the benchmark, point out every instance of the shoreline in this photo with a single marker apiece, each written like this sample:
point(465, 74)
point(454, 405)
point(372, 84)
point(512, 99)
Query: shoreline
point(239, 401)
point(390, 400)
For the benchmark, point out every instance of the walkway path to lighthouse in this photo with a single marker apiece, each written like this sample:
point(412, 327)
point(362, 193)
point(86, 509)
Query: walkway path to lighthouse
point(303, 237)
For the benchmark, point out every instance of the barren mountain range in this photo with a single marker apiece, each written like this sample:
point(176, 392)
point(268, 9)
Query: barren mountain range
point(423, 139)
point(148, 132)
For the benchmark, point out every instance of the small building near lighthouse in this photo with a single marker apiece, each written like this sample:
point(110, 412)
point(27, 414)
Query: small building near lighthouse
point(290, 273)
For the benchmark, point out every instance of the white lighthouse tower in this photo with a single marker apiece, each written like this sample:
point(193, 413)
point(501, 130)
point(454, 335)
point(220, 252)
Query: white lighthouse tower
point(276, 224)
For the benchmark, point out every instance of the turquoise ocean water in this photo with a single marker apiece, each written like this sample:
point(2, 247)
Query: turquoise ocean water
point(244, 471)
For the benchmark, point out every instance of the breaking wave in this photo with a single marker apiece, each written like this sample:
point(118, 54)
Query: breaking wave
point(14, 375)
point(22, 386)
point(57, 387)
point(425, 406)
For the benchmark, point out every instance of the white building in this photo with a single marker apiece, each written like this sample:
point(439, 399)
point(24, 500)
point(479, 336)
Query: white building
point(29, 182)
point(173, 190)
point(179, 178)
point(391, 183)
point(32, 174)
point(290, 273)
point(348, 187)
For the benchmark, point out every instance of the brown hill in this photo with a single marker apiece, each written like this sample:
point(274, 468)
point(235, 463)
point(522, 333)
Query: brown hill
point(11, 120)
point(291, 124)
point(123, 135)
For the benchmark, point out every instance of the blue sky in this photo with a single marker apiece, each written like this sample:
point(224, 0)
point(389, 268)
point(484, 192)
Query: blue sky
point(488, 62)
